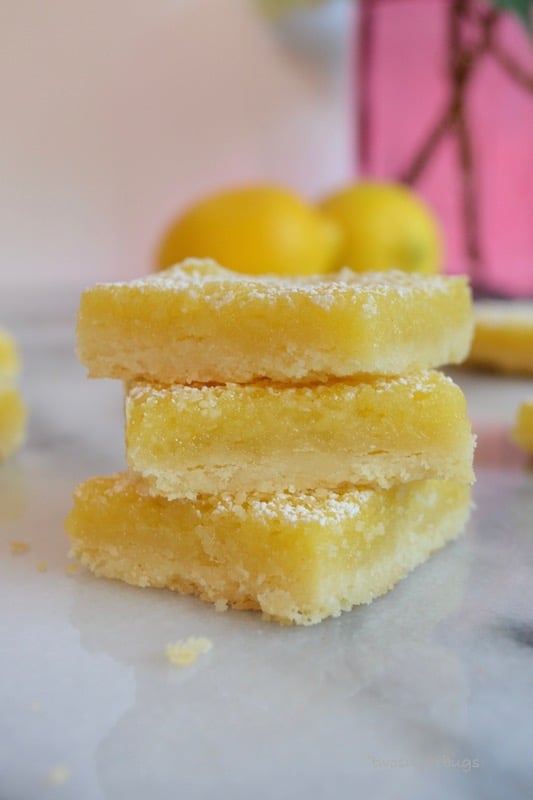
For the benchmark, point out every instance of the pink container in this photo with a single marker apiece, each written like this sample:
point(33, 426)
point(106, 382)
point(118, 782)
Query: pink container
point(446, 104)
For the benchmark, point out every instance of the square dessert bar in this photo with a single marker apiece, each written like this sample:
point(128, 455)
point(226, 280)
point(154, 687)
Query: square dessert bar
point(189, 440)
point(503, 336)
point(198, 322)
point(12, 421)
point(298, 558)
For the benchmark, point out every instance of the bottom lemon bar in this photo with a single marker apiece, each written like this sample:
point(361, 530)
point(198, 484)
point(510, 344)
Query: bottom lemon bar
point(12, 421)
point(523, 429)
point(298, 558)
point(503, 336)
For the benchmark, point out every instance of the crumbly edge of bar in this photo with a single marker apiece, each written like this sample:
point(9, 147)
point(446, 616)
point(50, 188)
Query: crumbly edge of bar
point(371, 581)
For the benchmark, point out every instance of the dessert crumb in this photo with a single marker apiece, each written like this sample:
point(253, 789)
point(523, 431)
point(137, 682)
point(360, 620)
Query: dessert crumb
point(70, 569)
point(186, 651)
point(42, 566)
point(221, 605)
point(18, 548)
point(58, 775)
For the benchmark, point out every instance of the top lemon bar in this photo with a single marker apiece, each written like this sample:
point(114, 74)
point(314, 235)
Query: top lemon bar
point(198, 322)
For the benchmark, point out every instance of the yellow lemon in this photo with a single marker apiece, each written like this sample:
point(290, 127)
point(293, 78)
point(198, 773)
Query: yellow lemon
point(257, 229)
point(385, 226)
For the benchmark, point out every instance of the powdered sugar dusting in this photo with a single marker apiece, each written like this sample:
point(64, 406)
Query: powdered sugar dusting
point(205, 398)
point(218, 286)
point(296, 509)
point(325, 507)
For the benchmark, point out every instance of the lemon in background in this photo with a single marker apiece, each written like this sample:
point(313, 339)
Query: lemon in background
point(385, 226)
point(256, 229)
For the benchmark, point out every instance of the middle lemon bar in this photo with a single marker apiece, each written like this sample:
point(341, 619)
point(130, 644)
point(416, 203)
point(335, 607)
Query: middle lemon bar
point(191, 440)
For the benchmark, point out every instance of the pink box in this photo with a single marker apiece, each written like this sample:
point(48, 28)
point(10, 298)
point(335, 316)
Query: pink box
point(446, 104)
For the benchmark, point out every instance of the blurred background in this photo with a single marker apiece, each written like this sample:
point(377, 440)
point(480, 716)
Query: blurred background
point(117, 113)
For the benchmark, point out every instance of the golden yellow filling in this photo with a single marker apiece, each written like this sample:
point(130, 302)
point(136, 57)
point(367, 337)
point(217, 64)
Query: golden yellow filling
point(189, 440)
point(298, 558)
point(198, 322)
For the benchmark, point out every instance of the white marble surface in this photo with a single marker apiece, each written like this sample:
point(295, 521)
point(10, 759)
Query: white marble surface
point(425, 693)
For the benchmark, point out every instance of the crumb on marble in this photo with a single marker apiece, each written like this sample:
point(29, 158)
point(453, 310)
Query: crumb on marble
point(221, 605)
point(70, 569)
point(18, 548)
point(58, 775)
point(42, 566)
point(186, 651)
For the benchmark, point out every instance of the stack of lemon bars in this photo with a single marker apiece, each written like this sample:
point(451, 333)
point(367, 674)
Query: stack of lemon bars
point(290, 444)
point(12, 409)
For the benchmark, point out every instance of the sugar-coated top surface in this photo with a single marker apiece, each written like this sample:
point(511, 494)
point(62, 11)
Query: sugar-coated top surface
point(298, 508)
point(323, 506)
point(207, 395)
point(501, 313)
point(220, 286)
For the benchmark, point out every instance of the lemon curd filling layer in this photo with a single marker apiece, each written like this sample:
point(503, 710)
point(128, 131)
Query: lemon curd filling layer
point(523, 429)
point(189, 440)
point(198, 322)
point(296, 558)
point(503, 336)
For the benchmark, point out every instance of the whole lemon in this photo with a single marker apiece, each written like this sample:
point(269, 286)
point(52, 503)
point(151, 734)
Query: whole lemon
point(256, 229)
point(385, 226)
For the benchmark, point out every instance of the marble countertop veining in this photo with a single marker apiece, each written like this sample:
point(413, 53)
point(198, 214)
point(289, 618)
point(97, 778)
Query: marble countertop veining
point(427, 692)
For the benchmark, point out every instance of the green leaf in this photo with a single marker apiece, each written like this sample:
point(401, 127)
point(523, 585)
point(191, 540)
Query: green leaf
point(522, 8)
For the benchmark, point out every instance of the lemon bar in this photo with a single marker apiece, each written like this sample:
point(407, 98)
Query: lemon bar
point(9, 359)
point(503, 336)
point(198, 322)
point(298, 558)
point(523, 430)
point(12, 421)
point(189, 440)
